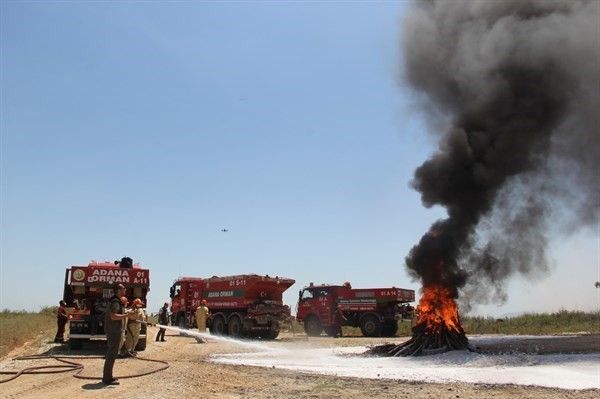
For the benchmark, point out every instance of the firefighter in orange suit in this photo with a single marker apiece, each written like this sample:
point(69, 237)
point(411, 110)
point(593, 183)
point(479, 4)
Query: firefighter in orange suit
point(202, 314)
point(134, 326)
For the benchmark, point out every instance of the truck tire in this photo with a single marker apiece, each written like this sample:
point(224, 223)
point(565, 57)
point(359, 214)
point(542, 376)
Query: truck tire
point(273, 331)
point(75, 343)
point(333, 331)
point(234, 326)
point(181, 323)
point(370, 326)
point(218, 326)
point(271, 334)
point(390, 328)
point(312, 326)
point(141, 345)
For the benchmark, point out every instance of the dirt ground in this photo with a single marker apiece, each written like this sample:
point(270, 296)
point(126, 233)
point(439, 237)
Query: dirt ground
point(190, 375)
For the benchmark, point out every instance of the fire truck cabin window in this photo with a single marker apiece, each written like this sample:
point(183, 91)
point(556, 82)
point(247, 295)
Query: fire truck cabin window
point(307, 294)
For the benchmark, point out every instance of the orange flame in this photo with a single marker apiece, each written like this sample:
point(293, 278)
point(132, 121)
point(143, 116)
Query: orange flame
point(437, 309)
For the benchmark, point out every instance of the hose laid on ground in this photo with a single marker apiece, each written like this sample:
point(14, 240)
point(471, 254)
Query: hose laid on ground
point(73, 366)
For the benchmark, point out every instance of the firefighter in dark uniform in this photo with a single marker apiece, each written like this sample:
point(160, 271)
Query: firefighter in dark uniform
point(113, 326)
point(61, 321)
point(163, 318)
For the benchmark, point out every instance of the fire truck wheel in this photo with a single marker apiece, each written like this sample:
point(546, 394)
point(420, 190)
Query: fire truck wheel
point(271, 334)
point(218, 326)
point(390, 328)
point(234, 326)
point(312, 326)
point(370, 326)
point(181, 321)
point(332, 331)
point(141, 345)
point(273, 331)
point(75, 343)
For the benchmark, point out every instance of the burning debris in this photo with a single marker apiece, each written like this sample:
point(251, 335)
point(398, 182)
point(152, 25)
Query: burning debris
point(516, 84)
point(437, 329)
point(438, 326)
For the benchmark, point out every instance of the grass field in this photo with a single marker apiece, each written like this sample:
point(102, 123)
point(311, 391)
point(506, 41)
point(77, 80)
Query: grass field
point(536, 324)
point(18, 327)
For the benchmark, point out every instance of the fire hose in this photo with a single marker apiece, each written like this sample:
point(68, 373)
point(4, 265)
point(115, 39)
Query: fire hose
point(70, 365)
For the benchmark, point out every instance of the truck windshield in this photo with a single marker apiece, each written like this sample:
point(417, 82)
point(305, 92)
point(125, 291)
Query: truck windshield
point(175, 290)
point(306, 294)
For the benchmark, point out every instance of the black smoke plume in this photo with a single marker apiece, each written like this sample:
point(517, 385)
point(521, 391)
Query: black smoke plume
point(517, 85)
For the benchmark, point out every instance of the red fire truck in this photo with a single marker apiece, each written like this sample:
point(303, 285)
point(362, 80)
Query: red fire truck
point(247, 305)
point(375, 310)
point(87, 291)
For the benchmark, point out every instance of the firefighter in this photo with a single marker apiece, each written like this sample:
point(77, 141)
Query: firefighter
point(113, 326)
point(338, 317)
point(163, 318)
point(202, 314)
point(61, 321)
point(133, 327)
point(122, 352)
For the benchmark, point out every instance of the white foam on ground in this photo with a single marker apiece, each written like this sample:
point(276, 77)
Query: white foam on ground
point(580, 371)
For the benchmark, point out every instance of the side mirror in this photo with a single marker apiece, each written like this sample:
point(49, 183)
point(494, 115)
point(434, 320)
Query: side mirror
point(299, 295)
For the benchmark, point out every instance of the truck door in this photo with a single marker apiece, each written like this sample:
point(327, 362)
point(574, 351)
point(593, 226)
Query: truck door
point(68, 290)
point(177, 302)
point(304, 302)
point(307, 304)
point(318, 301)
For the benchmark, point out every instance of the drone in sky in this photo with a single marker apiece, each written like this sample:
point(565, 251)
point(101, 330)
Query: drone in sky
point(224, 230)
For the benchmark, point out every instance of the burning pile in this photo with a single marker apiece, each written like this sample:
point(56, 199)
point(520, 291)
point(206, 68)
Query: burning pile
point(438, 326)
point(437, 329)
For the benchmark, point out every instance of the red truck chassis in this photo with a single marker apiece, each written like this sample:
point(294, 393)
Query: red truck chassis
point(246, 305)
point(375, 310)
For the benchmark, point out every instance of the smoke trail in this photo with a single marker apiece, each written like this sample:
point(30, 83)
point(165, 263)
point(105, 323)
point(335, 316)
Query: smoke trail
point(518, 83)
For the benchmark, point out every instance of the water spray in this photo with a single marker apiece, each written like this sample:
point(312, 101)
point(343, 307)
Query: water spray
point(206, 336)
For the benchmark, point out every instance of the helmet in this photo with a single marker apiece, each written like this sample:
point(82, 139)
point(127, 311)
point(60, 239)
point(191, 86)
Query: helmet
point(138, 302)
point(124, 300)
point(204, 302)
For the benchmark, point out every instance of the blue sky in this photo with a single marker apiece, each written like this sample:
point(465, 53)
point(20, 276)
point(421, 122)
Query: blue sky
point(144, 128)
